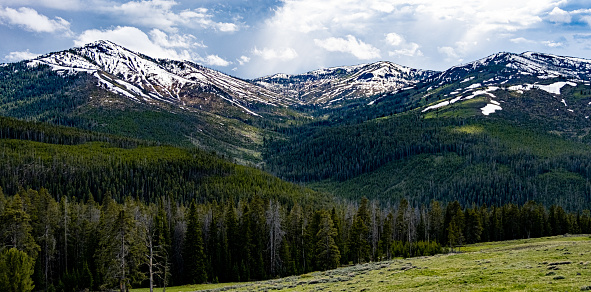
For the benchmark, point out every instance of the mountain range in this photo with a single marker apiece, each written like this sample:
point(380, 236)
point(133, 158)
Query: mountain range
point(366, 129)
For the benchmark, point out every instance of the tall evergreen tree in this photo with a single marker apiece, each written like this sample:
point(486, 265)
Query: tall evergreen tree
point(358, 243)
point(193, 255)
point(16, 229)
point(233, 242)
point(327, 252)
point(16, 269)
point(296, 240)
point(472, 226)
point(120, 249)
point(387, 236)
point(47, 214)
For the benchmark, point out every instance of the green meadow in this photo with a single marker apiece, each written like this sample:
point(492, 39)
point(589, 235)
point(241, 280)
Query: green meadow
point(543, 264)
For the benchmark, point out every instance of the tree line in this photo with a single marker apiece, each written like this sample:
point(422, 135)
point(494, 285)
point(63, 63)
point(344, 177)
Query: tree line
point(70, 244)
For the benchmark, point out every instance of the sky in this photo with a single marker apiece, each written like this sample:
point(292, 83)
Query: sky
point(255, 38)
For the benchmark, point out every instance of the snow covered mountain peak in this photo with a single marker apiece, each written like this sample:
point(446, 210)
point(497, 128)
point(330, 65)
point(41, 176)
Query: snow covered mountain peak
point(510, 66)
point(194, 87)
point(333, 85)
point(154, 81)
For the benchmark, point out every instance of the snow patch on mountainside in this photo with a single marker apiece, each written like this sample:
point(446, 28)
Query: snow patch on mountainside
point(491, 108)
point(553, 88)
point(465, 96)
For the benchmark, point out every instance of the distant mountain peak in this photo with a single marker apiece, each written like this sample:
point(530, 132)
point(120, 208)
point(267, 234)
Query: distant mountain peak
point(334, 85)
point(148, 80)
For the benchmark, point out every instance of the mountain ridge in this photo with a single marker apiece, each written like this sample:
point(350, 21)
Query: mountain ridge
point(190, 86)
point(128, 93)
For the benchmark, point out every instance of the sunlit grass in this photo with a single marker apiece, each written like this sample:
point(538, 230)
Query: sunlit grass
point(517, 265)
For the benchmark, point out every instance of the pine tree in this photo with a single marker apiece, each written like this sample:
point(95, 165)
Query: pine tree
point(233, 242)
point(473, 226)
point(387, 236)
point(16, 269)
point(435, 223)
point(120, 249)
point(162, 245)
point(46, 209)
point(16, 229)
point(358, 243)
point(327, 252)
point(339, 228)
point(310, 233)
point(295, 239)
point(193, 255)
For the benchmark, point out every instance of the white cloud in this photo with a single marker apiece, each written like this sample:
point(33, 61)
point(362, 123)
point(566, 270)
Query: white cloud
point(559, 16)
point(243, 60)
point(552, 44)
point(175, 41)
point(521, 40)
point(394, 39)
point(17, 56)
point(135, 40)
point(403, 48)
point(587, 19)
point(283, 54)
point(402, 28)
point(29, 19)
point(411, 50)
point(160, 14)
point(448, 51)
point(350, 45)
point(215, 60)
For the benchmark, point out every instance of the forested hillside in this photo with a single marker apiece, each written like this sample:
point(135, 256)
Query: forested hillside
point(478, 160)
point(74, 163)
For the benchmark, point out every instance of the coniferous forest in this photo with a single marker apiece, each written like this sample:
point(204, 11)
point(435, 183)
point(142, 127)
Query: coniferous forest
point(71, 244)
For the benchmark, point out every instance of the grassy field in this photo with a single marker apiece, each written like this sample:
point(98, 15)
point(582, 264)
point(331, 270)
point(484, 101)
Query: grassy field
point(543, 264)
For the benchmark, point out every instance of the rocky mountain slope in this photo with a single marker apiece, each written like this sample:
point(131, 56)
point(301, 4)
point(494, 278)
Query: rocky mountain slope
point(332, 86)
point(155, 81)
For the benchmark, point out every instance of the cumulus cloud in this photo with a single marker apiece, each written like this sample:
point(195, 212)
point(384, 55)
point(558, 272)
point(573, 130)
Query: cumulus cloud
point(215, 60)
point(394, 39)
point(243, 60)
point(403, 48)
point(135, 40)
point(448, 51)
point(30, 20)
point(402, 28)
point(560, 16)
point(587, 19)
point(521, 40)
point(349, 45)
point(283, 54)
point(553, 44)
point(174, 41)
point(18, 56)
point(160, 14)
